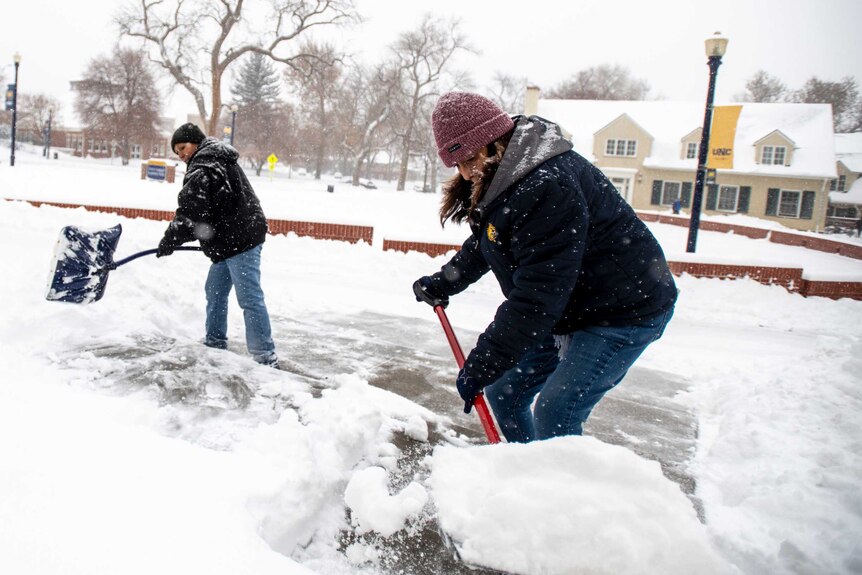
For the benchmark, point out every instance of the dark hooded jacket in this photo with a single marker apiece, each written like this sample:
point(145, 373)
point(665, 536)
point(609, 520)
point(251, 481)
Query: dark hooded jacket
point(217, 205)
point(566, 248)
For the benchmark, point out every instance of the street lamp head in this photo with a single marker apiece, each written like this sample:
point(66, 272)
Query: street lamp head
point(16, 58)
point(716, 46)
point(234, 108)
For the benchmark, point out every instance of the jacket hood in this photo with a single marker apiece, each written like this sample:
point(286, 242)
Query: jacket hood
point(534, 141)
point(212, 151)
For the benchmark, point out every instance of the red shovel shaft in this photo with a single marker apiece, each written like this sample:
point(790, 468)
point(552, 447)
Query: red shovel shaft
point(479, 402)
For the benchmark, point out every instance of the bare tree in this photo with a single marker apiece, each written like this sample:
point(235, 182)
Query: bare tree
point(426, 147)
point(422, 55)
point(118, 98)
point(316, 78)
point(196, 41)
point(605, 82)
point(843, 95)
point(367, 106)
point(763, 87)
point(285, 134)
point(35, 112)
point(508, 92)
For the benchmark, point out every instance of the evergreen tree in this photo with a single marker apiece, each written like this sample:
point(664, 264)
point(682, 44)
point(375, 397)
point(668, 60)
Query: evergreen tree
point(257, 82)
point(256, 93)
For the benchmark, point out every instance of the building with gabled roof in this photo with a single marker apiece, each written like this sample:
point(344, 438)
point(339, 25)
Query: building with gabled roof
point(845, 195)
point(783, 155)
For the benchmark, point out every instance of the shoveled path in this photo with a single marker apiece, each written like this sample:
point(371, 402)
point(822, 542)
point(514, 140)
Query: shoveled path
point(412, 358)
point(409, 357)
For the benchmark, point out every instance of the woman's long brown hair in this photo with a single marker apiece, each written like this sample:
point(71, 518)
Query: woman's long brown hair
point(460, 196)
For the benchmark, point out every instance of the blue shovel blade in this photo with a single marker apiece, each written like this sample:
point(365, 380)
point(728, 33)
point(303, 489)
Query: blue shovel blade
point(81, 263)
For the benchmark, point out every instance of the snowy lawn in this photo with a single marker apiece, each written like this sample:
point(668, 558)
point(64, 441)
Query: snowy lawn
point(110, 467)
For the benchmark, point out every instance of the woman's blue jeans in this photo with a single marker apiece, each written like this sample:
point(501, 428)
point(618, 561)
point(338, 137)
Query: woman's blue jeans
point(241, 271)
point(566, 390)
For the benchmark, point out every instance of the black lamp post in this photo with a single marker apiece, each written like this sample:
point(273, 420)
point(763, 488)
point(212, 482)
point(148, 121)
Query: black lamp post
point(715, 48)
point(47, 135)
point(233, 109)
point(17, 59)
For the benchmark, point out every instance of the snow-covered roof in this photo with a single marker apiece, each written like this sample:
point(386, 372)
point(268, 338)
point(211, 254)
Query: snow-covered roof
point(848, 150)
point(851, 196)
point(808, 126)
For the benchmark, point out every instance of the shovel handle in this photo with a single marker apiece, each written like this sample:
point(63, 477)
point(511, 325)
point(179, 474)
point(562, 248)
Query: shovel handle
point(479, 402)
point(115, 265)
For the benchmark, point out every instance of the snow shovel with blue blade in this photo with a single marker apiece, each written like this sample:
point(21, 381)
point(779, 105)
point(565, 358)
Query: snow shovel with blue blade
point(82, 260)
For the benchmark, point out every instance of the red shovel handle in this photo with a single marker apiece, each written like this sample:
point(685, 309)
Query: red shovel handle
point(479, 402)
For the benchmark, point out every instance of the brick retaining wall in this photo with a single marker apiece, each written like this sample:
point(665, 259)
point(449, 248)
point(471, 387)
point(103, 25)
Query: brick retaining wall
point(320, 231)
point(787, 238)
point(820, 244)
point(433, 250)
point(789, 278)
point(833, 290)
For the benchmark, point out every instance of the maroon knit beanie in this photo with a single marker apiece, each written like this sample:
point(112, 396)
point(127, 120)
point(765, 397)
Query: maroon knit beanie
point(464, 123)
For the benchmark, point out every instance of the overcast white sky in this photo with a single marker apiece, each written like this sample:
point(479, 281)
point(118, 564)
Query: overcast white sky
point(545, 41)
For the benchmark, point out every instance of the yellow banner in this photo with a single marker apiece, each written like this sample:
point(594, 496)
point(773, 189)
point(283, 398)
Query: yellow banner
point(721, 136)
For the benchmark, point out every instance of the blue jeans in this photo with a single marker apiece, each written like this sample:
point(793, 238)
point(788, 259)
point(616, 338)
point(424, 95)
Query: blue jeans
point(243, 272)
point(566, 390)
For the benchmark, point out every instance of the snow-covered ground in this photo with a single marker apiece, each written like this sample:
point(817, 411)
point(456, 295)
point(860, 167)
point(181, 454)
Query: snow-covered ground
point(127, 447)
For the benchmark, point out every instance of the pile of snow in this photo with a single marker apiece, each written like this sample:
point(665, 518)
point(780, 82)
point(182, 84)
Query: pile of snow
point(568, 505)
point(266, 471)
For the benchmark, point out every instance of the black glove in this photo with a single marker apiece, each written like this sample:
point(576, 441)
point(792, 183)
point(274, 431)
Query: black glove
point(468, 389)
point(425, 291)
point(165, 248)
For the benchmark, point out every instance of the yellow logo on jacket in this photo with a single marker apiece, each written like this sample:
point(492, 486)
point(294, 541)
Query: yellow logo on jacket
point(492, 233)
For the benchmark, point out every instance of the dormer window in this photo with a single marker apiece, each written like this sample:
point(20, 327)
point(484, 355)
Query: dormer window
point(839, 185)
point(626, 148)
point(774, 155)
point(691, 150)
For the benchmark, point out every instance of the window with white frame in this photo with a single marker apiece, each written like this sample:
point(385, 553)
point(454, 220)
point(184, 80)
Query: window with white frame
point(728, 199)
point(670, 193)
point(774, 155)
point(839, 185)
point(135, 151)
point(789, 203)
point(621, 148)
point(623, 186)
point(691, 150)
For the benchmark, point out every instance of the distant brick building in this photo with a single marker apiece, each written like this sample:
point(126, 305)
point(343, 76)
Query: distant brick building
point(83, 143)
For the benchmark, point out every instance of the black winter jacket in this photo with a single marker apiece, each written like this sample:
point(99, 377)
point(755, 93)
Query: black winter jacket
point(217, 205)
point(566, 248)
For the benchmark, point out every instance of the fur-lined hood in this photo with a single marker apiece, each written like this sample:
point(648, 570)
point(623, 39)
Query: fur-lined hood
point(534, 141)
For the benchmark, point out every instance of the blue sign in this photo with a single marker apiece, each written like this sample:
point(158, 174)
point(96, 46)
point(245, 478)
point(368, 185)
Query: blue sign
point(156, 172)
point(10, 96)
